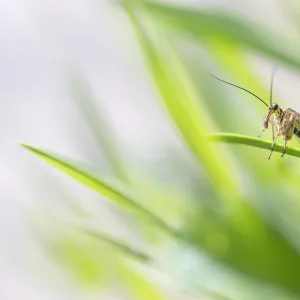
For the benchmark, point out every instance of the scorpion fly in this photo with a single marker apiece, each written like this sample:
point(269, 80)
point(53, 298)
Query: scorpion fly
point(285, 121)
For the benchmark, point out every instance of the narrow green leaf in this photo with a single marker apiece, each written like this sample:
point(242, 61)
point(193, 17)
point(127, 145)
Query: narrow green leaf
point(80, 259)
point(181, 101)
point(114, 191)
point(116, 244)
point(207, 25)
point(139, 285)
point(233, 138)
point(98, 122)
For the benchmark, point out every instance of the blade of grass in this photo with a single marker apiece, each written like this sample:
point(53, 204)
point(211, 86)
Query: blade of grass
point(180, 99)
point(79, 258)
point(114, 191)
point(116, 244)
point(140, 285)
point(205, 25)
point(98, 123)
point(233, 138)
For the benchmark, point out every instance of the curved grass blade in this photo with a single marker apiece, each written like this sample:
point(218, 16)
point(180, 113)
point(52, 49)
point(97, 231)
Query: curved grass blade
point(179, 97)
point(114, 191)
point(139, 284)
point(116, 244)
point(96, 118)
point(233, 138)
point(207, 25)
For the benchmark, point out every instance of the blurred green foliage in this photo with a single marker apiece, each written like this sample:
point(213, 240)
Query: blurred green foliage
point(238, 234)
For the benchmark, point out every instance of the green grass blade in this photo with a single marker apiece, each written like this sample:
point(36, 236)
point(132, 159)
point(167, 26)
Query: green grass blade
point(99, 125)
point(118, 245)
point(179, 97)
point(139, 284)
point(208, 25)
point(79, 258)
point(233, 138)
point(114, 191)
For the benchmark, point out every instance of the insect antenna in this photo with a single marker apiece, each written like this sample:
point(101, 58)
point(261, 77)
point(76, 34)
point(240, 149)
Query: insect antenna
point(272, 81)
point(239, 87)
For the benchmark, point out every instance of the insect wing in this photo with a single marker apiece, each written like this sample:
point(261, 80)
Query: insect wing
point(297, 126)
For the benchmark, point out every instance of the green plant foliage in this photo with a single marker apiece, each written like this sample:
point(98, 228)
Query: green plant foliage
point(98, 123)
point(138, 285)
point(117, 245)
point(242, 213)
point(110, 189)
point(207, 26)
point(250, 141)
point(81, 260)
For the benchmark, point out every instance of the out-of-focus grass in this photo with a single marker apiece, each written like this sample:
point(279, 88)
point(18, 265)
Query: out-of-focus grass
point(207, 26)
point(114, 191)
point(97, 121)
point(245, 219)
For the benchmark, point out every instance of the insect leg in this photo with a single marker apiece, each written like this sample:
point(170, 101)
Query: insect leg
point(273, 134)
point(262, 131)
point(284, 149)
point(264, 128)
point(272, 146)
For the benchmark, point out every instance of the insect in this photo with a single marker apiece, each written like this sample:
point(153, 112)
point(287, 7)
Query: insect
point(285, 121)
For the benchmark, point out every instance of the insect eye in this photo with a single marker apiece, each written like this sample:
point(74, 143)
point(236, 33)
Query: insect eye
point(275, 106)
